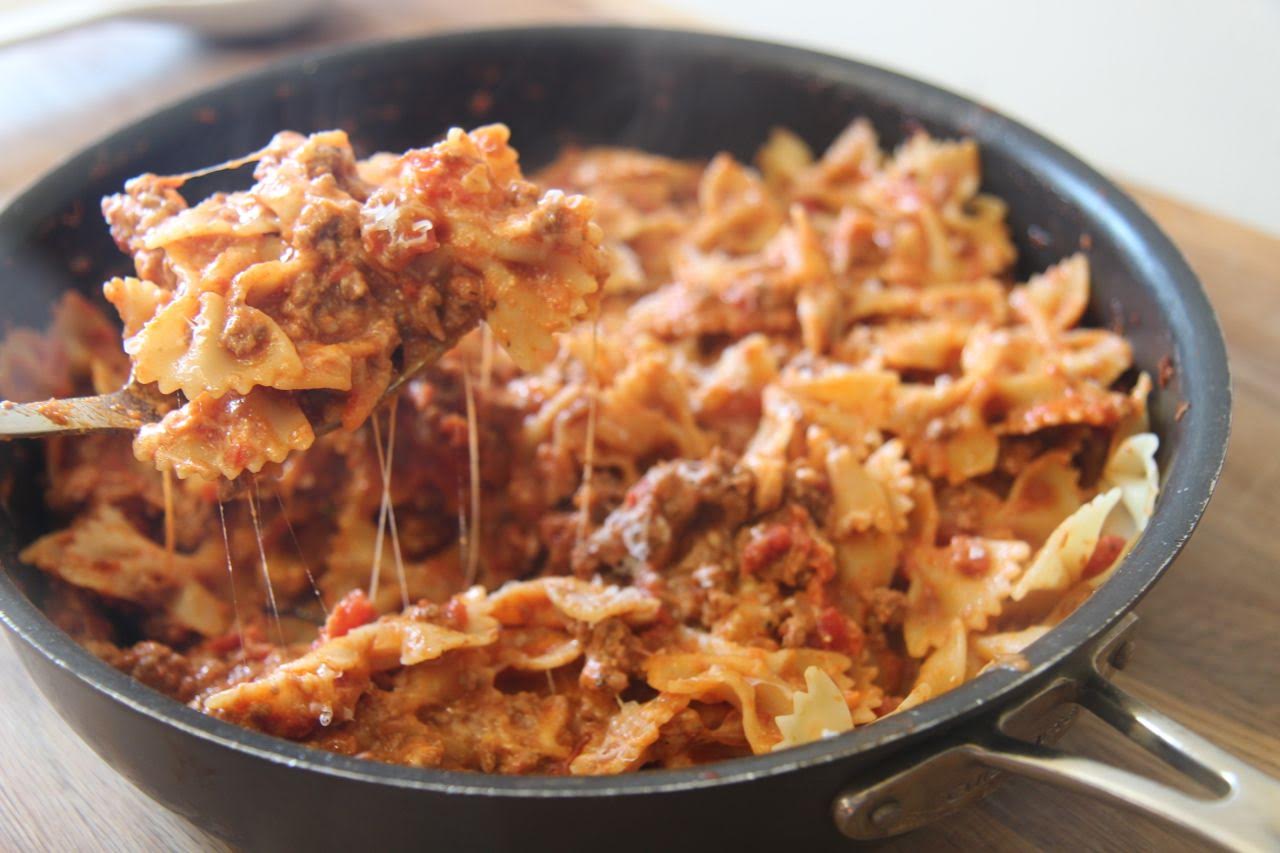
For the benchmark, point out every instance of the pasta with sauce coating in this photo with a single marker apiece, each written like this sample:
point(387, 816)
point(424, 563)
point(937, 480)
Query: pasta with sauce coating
point(819, 459)
point(313, 279)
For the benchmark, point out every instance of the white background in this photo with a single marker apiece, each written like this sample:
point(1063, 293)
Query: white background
point(1182, 96)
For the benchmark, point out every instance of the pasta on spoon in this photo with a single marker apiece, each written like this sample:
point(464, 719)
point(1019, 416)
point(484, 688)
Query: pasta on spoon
point(286, 305)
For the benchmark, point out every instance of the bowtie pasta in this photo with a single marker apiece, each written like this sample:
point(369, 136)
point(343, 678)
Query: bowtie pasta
point(293, 297)
point(819, 458)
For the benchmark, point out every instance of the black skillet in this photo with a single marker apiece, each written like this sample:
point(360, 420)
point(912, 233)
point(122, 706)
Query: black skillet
point(689, 95)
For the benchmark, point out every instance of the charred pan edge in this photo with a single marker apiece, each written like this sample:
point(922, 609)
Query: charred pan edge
point(1191, 475)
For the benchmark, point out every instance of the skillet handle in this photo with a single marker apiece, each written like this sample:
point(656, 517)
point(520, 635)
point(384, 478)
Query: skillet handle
point(1240, 812)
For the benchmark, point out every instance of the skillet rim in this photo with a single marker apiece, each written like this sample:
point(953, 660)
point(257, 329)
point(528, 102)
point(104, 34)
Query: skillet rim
point(1188, 486)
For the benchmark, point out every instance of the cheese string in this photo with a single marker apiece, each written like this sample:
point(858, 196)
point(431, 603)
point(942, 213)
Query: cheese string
point(231, 577)
point(170, 536)
point(302, 558)
point(473, 453)
point(387, 510)
point(588, 461)
point(253, 499)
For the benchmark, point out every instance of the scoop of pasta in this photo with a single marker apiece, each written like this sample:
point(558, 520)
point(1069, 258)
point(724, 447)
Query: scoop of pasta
point(288, 303)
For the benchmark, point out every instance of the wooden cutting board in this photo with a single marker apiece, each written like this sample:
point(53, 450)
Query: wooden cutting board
point(1208, 652)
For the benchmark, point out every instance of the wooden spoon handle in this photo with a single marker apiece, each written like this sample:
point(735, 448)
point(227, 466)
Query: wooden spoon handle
point(121, 410)
point(133, 406)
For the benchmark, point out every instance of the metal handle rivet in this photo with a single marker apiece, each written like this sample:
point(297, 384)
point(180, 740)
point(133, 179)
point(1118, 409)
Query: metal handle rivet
point(1121, 656)
point(886, 814)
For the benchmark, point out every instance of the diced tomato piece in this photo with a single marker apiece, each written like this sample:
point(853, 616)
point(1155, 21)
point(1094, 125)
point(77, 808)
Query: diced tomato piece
point(970, 556)
point(456, 612)
point(765, 547)
point(838, 634)
point(352, 611)
point(1104, 554)
point(226, 643)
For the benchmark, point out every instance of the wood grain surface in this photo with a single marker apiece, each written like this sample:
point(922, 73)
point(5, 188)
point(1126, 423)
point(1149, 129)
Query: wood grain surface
point(1208, 651)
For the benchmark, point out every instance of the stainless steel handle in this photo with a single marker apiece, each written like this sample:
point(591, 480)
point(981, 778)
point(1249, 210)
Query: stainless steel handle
point(1242, 811)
